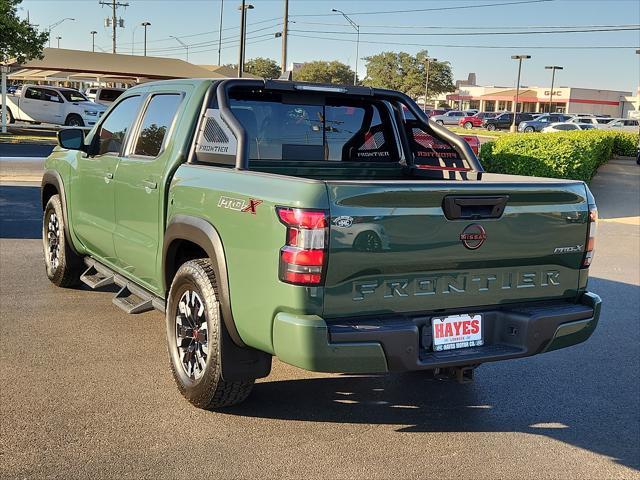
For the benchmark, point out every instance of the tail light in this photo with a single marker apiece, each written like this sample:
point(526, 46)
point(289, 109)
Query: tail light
point(591, 236)
point(303, 258)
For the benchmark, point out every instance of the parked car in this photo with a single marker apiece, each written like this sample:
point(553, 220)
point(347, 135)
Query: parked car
point(597, 122)
point(56, 105)
point(537, 123)
point(103, 95)
point(624, 124)
point(505, 120)
point(438, 111)
point(471, 121)
point(450, 118)
point(567, 127)
point(227, 206)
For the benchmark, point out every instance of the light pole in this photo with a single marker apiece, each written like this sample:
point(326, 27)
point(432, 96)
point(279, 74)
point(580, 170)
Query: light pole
point(357, 28)
point(183, 44)
point(54, 25)
point(220, 32)
point(426, 81)
point(93, 40)
point(145, 25)
point(553, 69)
point(513, 128)
point(58, 39)
point(243, 34)
point(285, 30)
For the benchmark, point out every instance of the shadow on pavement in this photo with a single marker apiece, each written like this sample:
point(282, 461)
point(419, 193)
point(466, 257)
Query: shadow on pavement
point(20, 212)
point(586, 396)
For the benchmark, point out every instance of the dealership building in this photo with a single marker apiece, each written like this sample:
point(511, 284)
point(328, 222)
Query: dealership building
point(613, 103)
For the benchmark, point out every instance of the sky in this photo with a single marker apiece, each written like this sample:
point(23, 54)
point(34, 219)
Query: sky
point(454, 30)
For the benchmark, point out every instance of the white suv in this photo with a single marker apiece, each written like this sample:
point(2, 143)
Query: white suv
point(103, 95)
point(56, 105)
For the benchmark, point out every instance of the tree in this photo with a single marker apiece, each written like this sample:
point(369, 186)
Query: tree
point(325, 72)
point(18, 39)
point(262, 67)
point(407, 73)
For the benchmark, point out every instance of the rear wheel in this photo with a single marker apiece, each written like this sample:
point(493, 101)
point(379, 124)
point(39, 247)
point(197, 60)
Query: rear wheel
point(63, 265)
point(9, 117)
point(491, 127)
point(194, 331)
point(439, 122)
point(74, 120)
point(468, 125)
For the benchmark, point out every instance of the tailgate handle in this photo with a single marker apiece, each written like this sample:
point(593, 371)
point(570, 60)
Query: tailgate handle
point(473, 208)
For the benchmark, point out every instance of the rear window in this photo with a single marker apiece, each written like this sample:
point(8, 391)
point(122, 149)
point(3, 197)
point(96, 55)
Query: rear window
point(284, 127)
point(109, 95)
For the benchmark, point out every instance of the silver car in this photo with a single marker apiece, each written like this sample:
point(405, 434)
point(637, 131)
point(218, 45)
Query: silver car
point(452, 117)
point(624, 124)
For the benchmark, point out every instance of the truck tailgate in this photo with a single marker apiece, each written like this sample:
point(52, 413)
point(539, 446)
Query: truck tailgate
point(393, 250)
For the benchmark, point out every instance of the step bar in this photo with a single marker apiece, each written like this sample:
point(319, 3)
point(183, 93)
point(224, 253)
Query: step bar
point(131, 297)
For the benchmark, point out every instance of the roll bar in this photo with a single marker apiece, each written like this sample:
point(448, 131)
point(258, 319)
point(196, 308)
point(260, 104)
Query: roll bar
point(242, 153)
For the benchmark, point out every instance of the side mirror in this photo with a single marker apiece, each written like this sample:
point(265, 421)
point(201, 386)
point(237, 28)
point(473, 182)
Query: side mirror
point(71, 138)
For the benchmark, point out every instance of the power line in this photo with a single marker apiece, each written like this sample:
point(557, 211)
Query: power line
point(437, 9)
point(471, 34)
point(447, 27)
point(555, 47)
point(234, 45)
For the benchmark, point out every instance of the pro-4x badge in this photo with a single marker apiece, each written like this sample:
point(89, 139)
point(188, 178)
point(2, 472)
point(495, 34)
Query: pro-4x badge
point(240, 205)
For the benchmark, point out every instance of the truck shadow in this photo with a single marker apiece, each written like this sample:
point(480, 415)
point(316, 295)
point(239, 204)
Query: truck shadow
point(20, 212)
point(585, 396)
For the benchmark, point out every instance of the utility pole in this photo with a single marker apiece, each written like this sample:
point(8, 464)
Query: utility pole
point(513, 128)
point(243, 33)
point(553, 69)
point(357, 29)
point(285, 27)
point(114, 4)
point(426, 82)
point(93, 40)
point(220, 32)
point(145, 25)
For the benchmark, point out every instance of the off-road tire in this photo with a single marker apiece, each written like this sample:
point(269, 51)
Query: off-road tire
point(209, 391)
point(74, 120)
point(62, 264)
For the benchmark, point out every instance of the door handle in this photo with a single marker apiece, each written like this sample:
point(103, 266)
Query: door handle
point(149, 184)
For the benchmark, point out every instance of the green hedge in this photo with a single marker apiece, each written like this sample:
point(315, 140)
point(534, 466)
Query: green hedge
point(573, 155)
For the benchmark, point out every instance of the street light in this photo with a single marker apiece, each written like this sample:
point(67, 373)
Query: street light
point(54, 25)
point(145, 25)
point(513, 128)
point(181, 43)
point(58, 39)
point(243, 34)
point(553, 69)
point(357, 28)
point(426, 81)
point(93, 40)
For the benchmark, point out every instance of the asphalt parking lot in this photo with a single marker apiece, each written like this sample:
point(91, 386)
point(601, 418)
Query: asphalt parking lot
point(85, 390)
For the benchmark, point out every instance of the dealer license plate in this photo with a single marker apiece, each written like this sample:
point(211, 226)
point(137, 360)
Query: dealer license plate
point(456, 331)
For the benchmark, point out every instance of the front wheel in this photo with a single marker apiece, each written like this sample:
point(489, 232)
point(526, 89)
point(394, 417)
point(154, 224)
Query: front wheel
point(528, 129)
point(439, 122)
point(194, 332)
point(74, 120)
point(468, 125)
point(491, 127)
point(63, 265)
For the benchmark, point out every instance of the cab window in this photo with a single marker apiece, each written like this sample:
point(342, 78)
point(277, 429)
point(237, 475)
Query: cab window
point(51, 96)
point(156, 124)
point(113, 130)
point(33, 94)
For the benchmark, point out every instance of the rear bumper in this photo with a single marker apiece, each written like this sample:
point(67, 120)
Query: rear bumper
point(403, 343)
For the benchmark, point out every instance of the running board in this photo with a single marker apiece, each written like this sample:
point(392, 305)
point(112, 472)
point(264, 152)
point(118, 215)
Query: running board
point(131, 298)
point(132, 303)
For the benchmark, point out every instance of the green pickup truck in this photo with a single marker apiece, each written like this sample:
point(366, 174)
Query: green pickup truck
point(333, 227)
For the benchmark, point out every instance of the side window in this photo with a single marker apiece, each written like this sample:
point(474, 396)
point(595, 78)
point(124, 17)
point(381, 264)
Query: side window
point(33, 93)
point(109, 95)
point(114, 129)
point(156, 123)
point(51, 96)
